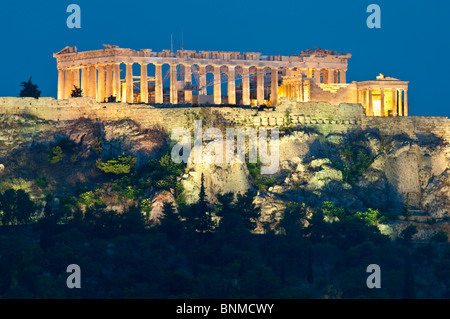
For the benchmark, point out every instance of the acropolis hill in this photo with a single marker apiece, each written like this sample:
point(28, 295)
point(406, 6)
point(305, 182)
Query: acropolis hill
point(306, 95)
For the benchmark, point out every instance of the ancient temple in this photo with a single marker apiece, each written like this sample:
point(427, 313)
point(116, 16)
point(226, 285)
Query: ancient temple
point(235, 78)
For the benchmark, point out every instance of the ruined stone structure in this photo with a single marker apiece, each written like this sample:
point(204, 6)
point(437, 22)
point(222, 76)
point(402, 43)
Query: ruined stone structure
point(323, 116)
point(250, 78)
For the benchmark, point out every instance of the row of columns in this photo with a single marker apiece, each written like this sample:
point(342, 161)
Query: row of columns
point(101, 81)
point(399, 101)
point(298, 89)
point(329, 76)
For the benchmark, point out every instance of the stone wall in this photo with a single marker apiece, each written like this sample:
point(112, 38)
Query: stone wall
point(325, 117)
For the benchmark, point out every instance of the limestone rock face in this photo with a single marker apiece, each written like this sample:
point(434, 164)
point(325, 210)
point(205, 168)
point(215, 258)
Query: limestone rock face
point(401, 167)
point(219, 178)
point(436, 195)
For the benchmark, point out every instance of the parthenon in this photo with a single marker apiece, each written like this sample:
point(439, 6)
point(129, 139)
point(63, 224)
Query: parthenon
point(223, 78)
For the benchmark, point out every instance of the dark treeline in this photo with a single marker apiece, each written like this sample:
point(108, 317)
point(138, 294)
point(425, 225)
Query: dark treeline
point(208, 251)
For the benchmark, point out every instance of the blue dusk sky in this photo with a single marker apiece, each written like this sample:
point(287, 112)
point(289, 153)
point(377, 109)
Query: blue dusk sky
point(413, 43)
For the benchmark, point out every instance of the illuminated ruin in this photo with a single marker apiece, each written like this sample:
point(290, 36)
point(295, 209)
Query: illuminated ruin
point(249, 78)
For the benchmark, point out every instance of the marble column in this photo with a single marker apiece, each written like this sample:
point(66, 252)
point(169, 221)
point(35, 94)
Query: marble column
point(92, 91)
point(231, 85)
point(274, 87)
point(245, 85)
point(202, 78)
point(330, 76)
point(144, 83)
point(158, 83)
point(76, 78)
point(259, 86)
point(109, 81)
point(394, 102)
point(317, 75)
point(297, 91)
point(400, 102)
point(187, 81)
point(85, 80)
point(217, 85)
point(382, 102)
point(405, 108)
point(173, 84)
point(343, 78)
point(116, 81)
point(101, 83)
point(129, 83)
point(60, 84)
point(370, 103)
point(68, 85)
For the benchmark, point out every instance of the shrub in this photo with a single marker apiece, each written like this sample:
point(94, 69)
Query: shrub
point(354, 160)
point(55, 155)
point(87, 198)
point(97, 145)
point(440, 237)
point(146, 205)
point(42, 181)
point(121, 165)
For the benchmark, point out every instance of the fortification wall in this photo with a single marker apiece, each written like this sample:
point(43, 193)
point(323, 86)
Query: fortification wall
point(323, 116)
point(345, 94)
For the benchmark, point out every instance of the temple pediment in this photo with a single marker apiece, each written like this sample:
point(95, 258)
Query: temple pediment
point(67, 50)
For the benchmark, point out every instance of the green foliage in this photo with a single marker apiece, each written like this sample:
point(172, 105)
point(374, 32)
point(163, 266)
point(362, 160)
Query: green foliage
point(16, 207)
point(29, 89)
point(120, 165)
point(406, 211)
point(386, 142)
point(371, 217)
point(42, 181)
point(87, 198)
point(354, 160)
point(146, 205)
point(164, 172)
point(55, 155)
point(247, 210)
point(262, 183)
point(97, 145)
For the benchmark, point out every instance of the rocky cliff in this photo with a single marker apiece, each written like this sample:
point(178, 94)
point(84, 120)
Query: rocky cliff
point(357, 169)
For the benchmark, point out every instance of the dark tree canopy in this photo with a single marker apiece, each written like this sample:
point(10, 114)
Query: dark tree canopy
point(29, 89)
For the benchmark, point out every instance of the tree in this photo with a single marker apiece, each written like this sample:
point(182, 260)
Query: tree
point(16, 207)
point(407, 234)
point(292, 222)
point(29, 89)
point(204, 221)
point(76, 92)
point(170, 221)
point(406, 209)
point(248, 211)
point(132, 220)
